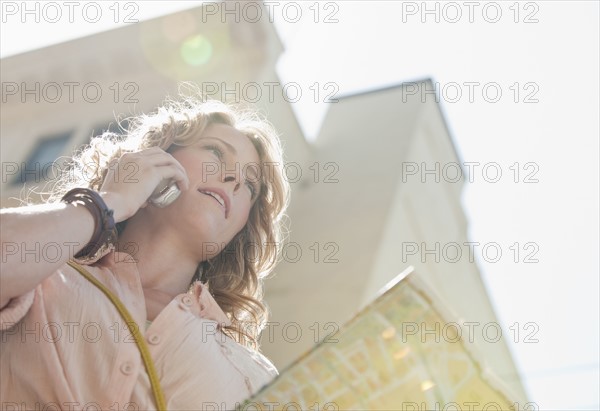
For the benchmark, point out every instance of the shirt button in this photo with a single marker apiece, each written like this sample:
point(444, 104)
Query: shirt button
point(187, 300)
point(127, 368)
point(154, 339)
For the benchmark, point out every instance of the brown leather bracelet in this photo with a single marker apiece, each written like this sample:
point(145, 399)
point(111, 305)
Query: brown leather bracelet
point(105, 233)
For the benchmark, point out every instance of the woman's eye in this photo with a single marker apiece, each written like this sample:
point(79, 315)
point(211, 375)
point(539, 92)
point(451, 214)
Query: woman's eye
point(216, 150)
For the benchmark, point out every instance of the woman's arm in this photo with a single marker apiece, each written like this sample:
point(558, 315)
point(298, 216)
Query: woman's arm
point(37, 240)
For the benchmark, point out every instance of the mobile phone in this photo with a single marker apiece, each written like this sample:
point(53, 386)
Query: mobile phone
point(165, 193)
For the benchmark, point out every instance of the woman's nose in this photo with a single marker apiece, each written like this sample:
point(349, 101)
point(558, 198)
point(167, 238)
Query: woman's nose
point(232, 178)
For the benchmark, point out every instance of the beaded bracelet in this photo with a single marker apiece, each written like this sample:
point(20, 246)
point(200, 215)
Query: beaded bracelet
point(105, 232)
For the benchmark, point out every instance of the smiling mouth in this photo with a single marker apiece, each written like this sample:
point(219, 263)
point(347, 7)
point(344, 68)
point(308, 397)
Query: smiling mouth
point(216, 196)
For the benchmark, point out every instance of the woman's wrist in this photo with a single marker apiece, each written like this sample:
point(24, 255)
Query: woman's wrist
point(115, 202)
point(105, 234)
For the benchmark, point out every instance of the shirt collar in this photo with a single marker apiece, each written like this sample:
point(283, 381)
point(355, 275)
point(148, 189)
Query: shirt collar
point(209, 308)
point(208, 305)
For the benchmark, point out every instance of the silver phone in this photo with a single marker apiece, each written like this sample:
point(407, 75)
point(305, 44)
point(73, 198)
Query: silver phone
point(165, 193)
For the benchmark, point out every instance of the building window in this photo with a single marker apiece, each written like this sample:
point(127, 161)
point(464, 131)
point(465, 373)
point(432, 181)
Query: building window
point(38, 166)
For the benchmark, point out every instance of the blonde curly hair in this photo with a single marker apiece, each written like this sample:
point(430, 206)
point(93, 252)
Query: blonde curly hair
point(235, 275)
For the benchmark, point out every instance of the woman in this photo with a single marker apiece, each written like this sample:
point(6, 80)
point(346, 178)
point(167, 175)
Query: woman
point(188, 274)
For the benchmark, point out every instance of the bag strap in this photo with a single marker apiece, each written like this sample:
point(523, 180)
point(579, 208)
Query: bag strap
point(135, 332)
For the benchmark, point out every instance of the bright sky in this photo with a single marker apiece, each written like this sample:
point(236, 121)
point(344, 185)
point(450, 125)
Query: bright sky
point(554, 61)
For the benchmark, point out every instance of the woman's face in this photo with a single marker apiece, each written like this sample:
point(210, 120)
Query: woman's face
point(223, 168)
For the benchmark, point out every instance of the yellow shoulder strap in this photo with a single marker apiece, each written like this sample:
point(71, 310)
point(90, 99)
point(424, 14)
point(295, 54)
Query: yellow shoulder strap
point(135, 331)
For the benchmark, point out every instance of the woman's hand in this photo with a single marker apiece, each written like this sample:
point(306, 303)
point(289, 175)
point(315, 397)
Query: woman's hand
point(132, 178)
point(129, 182)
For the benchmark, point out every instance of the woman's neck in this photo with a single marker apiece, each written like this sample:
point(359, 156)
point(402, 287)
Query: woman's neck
point(166, 270)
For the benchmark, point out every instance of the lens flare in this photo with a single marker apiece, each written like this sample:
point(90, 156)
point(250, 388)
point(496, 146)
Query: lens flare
point(196, 50)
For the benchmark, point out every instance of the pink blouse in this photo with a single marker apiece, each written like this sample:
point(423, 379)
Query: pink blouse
point(65, 346)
